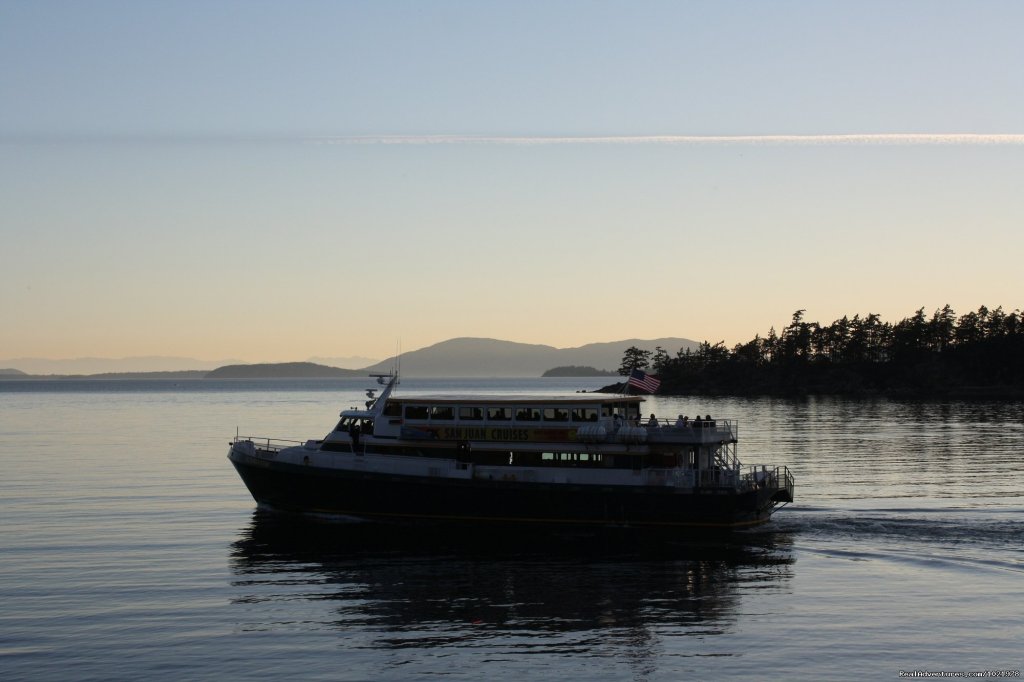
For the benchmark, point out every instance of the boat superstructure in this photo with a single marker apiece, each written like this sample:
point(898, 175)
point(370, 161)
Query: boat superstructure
point(587, 459)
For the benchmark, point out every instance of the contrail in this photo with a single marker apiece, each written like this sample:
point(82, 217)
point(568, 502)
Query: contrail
point(971, 139)
point(881, 139)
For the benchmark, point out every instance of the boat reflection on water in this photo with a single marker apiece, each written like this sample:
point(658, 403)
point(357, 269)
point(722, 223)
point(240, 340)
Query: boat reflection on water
point(423, 587)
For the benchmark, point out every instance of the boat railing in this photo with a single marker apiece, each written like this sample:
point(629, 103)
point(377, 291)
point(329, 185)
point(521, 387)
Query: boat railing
point(667, 430)
point(776, 478)
point(718, 477)
point(678, 477)
point(266, 447)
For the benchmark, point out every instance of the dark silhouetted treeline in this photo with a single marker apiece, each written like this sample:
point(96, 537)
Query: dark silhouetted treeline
point(980, 353)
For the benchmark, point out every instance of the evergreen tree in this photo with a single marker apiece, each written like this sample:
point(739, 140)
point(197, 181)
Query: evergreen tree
point(634, 358)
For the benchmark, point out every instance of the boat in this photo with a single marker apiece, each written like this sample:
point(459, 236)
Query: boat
point(581, 460)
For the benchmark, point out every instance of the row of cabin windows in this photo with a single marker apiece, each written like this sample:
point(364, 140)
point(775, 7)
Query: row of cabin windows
point(572, 457)
point(501, 414)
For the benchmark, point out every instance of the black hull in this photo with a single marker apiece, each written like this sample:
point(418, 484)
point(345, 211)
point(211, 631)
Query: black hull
point(296, 488)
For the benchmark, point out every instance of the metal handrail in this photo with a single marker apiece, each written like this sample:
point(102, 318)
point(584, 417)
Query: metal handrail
point(693, 424)
point(776, 477)
point(268, 444)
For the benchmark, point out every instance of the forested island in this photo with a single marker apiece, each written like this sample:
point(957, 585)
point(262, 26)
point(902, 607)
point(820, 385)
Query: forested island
point(978, 354)
point(282, 370)
point(578, 371)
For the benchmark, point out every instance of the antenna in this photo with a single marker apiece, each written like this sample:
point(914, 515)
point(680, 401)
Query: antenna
point(398, 358)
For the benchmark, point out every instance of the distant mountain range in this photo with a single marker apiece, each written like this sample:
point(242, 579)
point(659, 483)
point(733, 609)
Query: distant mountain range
point(151, 363)
point(461, 357)
point(347, 362)
point(475, 357)
point(142, 365)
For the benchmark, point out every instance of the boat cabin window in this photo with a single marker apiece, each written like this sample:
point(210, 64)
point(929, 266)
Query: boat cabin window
point(498, 414)
point(416, 412)
point(392, 409)
point(527, 414)
point(584, 414)
point(629, 411)
point(471, 413)
point(442, 412)
point(573, 458)
point(556, 414)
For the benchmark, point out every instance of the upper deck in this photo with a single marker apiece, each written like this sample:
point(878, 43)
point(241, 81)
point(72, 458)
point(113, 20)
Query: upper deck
point(579, 398)
point(565, 410)
point(582, 418)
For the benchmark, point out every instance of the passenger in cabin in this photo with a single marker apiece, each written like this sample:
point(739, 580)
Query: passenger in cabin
point(616, 421)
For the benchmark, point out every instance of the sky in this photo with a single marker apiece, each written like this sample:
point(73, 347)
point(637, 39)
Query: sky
point(273, 181)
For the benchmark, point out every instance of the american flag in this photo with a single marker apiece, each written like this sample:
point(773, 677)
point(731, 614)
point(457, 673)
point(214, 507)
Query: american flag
point(643, 380)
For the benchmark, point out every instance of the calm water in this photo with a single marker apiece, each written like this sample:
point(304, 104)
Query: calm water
point(130, 549)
